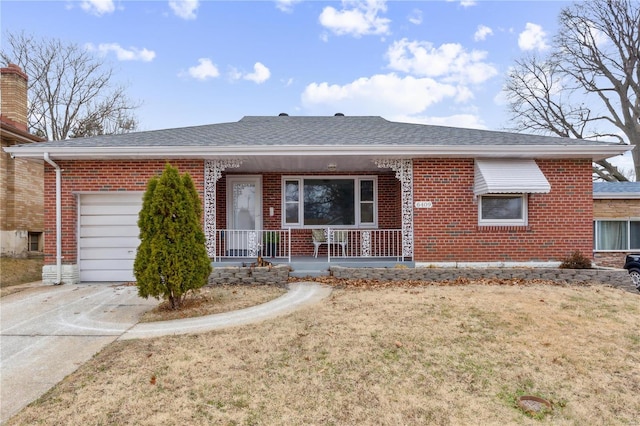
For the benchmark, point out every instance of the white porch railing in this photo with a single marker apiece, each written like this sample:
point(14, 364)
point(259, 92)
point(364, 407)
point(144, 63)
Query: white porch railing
point(337, 244)
point(243, 243)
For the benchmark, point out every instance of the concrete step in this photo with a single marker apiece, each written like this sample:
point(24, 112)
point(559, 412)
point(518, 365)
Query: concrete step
point(309, 269)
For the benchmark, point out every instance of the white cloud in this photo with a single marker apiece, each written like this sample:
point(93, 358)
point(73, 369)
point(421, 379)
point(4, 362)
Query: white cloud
point(259, 75)
point(381, 94)
point(415, 17)
point(185, 9)
point(482, 32)
point(361, 19)
point(286, 5)
point(464, 3)
point(97, 7)
point(131, 54)
point(467, 121)
point(532, 38)
point(450, 61)
point(204, 70)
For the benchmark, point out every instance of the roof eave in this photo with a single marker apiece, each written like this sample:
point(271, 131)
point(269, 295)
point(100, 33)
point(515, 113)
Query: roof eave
point(616, 196)
point(20, 136)
point(595, 152)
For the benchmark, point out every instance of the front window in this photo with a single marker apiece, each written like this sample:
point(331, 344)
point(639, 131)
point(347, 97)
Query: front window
point(502, 210)
point(331, 201)
point(616, 235)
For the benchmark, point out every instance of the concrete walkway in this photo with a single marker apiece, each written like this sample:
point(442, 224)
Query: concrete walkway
point(47, 332)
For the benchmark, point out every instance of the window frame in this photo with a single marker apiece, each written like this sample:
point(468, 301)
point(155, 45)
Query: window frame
point(597, 230)
point(38, 240)
point(357, 179)
point(523, 221)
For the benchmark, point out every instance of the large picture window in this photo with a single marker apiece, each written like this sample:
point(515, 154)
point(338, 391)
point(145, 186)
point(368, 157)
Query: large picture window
point(329, 201)
point(622, 235)
point(502, 209)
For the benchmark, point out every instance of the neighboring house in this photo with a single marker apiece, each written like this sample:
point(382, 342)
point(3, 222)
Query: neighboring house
point(21, 180)
point(430, 195)
point(616, 222)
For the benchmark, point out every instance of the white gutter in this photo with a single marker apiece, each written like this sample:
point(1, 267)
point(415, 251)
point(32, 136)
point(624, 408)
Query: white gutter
point(616, 196)
point(595, 152)
point(58, 218)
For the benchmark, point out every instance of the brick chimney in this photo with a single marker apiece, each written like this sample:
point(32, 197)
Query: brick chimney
point(13, 96)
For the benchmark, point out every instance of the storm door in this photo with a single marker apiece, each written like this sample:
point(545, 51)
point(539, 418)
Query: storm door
point(244, 215)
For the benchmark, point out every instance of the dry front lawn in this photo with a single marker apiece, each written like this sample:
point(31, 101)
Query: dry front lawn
point(416, 355)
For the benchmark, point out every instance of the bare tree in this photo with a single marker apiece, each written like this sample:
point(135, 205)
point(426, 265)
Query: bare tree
point(589, 85)
point(70, 90)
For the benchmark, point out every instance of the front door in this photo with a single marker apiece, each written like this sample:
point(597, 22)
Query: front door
point(244, 215)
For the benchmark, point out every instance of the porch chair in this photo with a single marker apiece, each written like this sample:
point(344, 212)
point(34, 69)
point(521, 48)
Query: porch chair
point(319, 237)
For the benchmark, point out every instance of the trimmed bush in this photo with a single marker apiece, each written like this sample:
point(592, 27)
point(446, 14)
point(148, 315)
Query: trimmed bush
point(576, 261)
point(172, 257)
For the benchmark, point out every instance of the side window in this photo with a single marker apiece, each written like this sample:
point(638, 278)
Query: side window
point(367, 201)
point(502, 210)
point(616, 235)
point(634, 235)
point(292, 202)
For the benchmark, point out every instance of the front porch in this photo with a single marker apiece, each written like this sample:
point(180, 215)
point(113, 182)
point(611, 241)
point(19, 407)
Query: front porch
point(311, 252)
point(301, 215)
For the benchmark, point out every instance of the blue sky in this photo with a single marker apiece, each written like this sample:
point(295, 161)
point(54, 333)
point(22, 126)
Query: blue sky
point(191, 62)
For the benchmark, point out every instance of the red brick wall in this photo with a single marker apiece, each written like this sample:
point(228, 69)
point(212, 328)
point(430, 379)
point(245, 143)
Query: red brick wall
point(559, 222)
point(80, 176)
point(389, 211)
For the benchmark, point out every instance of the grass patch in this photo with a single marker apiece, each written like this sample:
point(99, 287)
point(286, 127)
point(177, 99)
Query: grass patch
point(383, 356)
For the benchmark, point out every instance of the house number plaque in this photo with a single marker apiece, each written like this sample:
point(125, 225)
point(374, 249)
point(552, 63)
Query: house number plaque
point(423, 204)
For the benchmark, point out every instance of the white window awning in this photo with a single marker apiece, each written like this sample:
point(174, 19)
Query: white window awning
point(509, 176)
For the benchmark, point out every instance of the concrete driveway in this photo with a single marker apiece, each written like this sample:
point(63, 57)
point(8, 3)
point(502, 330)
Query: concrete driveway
point(47, 332)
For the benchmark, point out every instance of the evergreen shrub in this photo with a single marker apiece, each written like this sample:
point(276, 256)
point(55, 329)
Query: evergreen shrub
point(172, 258)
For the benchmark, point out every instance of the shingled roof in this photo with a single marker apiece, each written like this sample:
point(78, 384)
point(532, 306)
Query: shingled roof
point(258, 133)
point(616, 190)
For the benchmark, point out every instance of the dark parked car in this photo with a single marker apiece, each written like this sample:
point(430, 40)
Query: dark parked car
point(632, 264)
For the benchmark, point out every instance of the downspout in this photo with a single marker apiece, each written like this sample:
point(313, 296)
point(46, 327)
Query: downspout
point(58, 218)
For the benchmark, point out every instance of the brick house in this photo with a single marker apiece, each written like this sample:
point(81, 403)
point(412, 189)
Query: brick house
point(21, 180)
point(359, 189)
point(616, 222)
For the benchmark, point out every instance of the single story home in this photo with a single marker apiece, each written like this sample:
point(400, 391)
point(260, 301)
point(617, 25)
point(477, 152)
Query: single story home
point(616, 222)
point(336, 187)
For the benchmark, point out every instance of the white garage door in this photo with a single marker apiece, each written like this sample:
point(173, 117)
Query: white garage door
point(108, 235)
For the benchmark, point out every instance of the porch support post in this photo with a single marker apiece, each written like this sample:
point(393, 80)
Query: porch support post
point(404, 173)
point(212, 173)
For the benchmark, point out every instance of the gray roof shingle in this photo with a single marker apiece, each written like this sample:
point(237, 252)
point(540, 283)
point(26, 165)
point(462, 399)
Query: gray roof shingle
point(316, 131)
point(621, 188)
